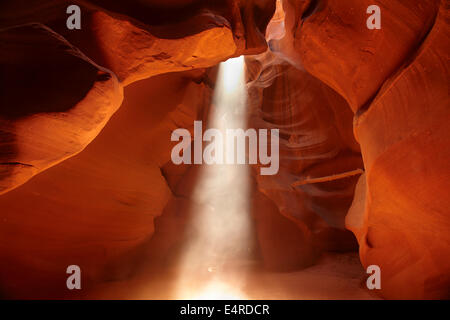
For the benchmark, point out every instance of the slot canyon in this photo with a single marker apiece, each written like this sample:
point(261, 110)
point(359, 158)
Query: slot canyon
point(87, 176)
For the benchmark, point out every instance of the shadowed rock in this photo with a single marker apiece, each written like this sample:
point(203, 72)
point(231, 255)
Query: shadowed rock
point(54, 102)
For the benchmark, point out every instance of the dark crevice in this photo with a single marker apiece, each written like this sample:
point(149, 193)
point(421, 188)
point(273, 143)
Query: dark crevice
point(15, 164)
point(312, 7)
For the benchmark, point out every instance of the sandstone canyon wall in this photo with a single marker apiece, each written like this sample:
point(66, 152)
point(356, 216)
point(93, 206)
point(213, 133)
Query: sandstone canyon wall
point(396, 81)
point(363, 117)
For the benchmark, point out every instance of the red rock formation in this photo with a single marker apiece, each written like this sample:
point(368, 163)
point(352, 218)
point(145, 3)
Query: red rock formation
point(316, 141)
point(284, 245)
point(132, 40)
point(90, 193)
point(141, 39)
point(334, 44)
point(404, 140)
point(396, 79)
point(54, 101)
point(96, 210)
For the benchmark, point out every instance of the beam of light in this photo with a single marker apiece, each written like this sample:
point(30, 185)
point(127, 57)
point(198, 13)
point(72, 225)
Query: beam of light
point(219, 231)
point(218, 291)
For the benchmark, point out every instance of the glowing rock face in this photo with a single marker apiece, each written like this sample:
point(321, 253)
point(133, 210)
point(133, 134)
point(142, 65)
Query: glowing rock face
point(87, 208)
point(124, 50)
point(55, 102)
point(395, 80)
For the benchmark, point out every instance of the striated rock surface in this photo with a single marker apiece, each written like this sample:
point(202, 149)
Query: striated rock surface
point(136, 40)
point(396, 81)
point(141, 39)
point(316, 143)
point(87, 211)
point(334, 44)
point(405, 144)
point(329, 81)
point(95, 210)
point(54, 101)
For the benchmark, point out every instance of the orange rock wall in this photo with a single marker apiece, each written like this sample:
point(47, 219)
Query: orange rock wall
point(396, 81)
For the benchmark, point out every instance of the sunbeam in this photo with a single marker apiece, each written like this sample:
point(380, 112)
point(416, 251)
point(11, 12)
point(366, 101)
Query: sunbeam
point(220, 221)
